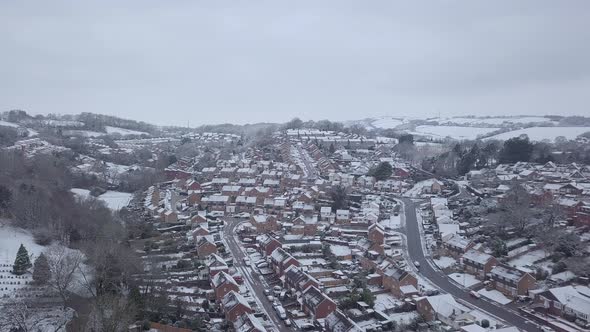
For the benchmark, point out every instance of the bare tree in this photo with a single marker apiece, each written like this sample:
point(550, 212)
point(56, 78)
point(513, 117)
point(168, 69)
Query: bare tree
point(111, 313)
point(515, 206)
point(64, 263)
point(23, 316)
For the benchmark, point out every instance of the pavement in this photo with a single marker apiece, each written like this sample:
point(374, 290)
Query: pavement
point(251, 278)
point(416, 253)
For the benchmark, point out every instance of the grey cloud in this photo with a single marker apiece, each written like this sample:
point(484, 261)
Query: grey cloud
point(247, 61)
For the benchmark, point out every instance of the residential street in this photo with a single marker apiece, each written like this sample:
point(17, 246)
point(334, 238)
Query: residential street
point(416, 253)
point(250, 276)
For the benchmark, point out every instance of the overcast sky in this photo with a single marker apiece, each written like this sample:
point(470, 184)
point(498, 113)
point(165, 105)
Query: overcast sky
point(169, 62)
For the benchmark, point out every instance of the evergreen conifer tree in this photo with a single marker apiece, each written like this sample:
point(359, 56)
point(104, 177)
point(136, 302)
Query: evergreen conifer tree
point(41, 270)
point(22, 262)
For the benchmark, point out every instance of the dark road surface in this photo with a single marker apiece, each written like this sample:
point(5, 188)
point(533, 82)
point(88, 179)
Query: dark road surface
point(416, 253)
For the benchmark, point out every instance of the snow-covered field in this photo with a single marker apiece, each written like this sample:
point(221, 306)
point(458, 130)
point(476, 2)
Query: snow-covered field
point(115, 200)
point(8, 124)
point(386, 123)
point(85, 133)
point(543, 133)
point(445, 261)
point(464, 279)
point(455, 132)
point(123, 131)
point(11, 239)
point(494, 295)
point(495, 121)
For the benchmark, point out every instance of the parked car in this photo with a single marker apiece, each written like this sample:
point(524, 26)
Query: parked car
point(475, 294)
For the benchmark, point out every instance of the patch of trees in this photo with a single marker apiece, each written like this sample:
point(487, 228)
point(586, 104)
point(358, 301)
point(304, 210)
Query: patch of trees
point(516, 149)
point(8, 136)
point(339, 198)
point(382, 171)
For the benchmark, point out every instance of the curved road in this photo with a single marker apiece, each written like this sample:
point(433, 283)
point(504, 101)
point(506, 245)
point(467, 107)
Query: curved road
point(416, 253)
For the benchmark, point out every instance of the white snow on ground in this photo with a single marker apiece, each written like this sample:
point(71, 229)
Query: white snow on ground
point(46, 319)
point(394, 222)
point(123, 131)
point(404, 318)
point(85, 133)
point(445, 261)
point(495, 121)
point(418, 188)
point(543, 133)
point(494, 295)
point(8, 124)
point(386, 301)
point(456, 132)
point(526, 261)
point(386, 123)
point(339, 250)
point(563, 276)
point(11, 239)
point(464, 279)
point(115, 200)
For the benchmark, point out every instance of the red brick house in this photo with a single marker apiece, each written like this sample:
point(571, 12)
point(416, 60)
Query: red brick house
point(268, 244)
point(201, 230)
point(511, 281)
point(317, 304)
point(296, 279)
point(264, 223)
point(234, 305)
point(205, 246)
point(478, 263)
point(394, 279)
point(377, 238)
point(457, 246)
point(248, 323)
point(281, 260)
point(566, 302)
point(216, 264)
point(222, 283)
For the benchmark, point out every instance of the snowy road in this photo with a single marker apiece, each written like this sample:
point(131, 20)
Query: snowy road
point(416, 252)
point(251, 278)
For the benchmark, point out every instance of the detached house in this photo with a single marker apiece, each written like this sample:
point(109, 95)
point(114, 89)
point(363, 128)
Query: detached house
point(317, 304)
point(511, 281)
point(478, 263)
